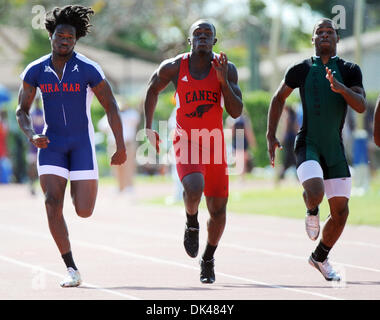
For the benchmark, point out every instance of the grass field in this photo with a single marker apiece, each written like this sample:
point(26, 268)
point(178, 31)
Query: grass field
point(284, 200)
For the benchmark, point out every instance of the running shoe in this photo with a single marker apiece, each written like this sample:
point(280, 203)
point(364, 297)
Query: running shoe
point(73, 279)
point(325, 268)
point(191, 241)
point(312, 226)
point(207, 271)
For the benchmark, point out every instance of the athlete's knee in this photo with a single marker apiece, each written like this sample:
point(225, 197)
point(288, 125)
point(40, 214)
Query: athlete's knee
point(340, 215)
point(314, 197)
point(218, 216)
point(53, 201)
point(54, 207)
point(314, 192)
point(84, 206)
point(84, 212)
point(193, 185)
point(193, 192)
point(218, 213)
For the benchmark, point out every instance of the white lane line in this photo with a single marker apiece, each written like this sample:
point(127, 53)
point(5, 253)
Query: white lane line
point(174, 237)
point(231, 229)
point(169, 236)
point(182, 265)
point(169, 262)
point(304, 237)
point(292, 256)
point(58, 275)
point(361, 244)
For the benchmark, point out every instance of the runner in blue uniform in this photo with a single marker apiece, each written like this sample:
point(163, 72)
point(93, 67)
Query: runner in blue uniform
point(68, 81)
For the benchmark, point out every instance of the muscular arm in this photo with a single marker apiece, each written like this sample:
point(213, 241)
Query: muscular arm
point(167, 71)
point(274, 114)
point(376, 123)
point(228, 78)
point(106, 98)
point(354, 96)
point(25, 99)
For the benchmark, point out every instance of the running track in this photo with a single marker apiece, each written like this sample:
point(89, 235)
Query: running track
point(129, 250)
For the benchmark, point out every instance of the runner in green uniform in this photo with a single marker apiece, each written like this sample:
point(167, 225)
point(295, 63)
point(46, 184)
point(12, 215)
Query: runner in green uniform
point(327, 85)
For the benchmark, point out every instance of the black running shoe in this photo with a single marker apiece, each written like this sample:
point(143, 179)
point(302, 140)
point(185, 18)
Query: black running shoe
point(207, 271)
point(191, 241)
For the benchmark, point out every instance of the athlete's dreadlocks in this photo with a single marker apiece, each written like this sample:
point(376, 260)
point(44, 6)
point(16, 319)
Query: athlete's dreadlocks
point(74, 15)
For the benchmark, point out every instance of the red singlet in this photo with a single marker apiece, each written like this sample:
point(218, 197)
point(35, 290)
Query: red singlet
point(199, 139)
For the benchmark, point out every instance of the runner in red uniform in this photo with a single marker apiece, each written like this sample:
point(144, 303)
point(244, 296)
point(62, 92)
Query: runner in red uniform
point(202, 80)
point(199, 139)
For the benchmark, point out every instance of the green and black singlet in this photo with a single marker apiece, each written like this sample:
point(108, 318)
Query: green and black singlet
point(324, 112)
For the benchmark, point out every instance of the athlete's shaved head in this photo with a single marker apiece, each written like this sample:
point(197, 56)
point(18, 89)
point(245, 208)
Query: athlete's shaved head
point(325, 21)
point(325, 37)
point(199, 22)
point(202, 36)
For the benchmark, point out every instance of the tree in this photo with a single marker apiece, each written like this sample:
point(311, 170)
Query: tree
point(151, 30)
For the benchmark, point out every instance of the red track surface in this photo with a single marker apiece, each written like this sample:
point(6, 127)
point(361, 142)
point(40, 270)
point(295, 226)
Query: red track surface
point(129, 250)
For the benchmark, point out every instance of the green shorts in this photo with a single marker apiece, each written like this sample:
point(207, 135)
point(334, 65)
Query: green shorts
point(333, 166)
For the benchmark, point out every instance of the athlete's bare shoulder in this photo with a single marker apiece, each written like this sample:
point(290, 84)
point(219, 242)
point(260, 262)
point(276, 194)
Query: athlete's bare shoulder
point(232, 68)
point(169, 68)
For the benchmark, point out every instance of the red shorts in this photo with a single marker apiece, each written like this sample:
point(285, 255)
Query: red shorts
point(192, 157)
